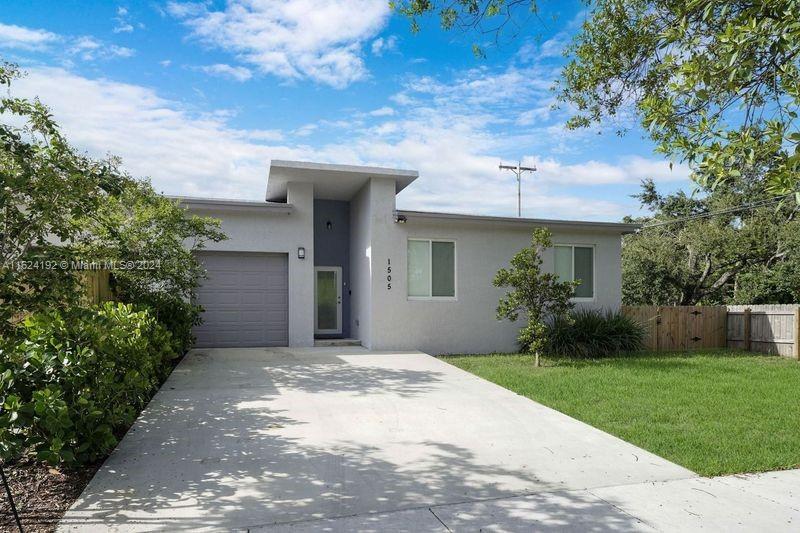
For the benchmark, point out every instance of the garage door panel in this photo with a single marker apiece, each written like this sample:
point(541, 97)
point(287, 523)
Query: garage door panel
point(220, 297)
point(245, 300)
point(257, 280)
point(215, 316)
point(229, 280)
point(256, 298)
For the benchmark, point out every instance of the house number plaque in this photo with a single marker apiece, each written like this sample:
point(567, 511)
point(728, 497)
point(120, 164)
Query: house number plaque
point(388, 274)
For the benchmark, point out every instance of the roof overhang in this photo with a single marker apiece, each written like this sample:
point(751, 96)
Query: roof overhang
point(617, 227)
point(331, 182)
point(219, 204)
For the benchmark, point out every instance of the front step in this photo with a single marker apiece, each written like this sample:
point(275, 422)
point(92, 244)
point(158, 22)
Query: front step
point(336, 342)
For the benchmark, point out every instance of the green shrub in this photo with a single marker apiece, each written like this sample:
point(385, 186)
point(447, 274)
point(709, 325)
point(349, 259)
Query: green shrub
point(178, 316)
point(72, 382)
point(593, 333)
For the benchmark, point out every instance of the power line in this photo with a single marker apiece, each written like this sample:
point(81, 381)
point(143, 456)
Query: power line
point(518, 170)
point(744, 207)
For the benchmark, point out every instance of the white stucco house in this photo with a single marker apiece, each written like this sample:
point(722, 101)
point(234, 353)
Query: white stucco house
point(329, 256)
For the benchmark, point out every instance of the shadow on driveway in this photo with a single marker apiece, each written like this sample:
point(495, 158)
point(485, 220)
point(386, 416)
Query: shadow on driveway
point(244, 438)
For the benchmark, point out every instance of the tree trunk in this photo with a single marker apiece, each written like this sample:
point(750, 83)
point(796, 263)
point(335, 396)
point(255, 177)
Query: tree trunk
point(536, 359)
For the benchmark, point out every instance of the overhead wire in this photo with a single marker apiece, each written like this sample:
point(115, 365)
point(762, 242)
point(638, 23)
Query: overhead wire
point(744, 207)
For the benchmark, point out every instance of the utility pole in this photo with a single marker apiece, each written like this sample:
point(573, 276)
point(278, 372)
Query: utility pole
point(518, 170)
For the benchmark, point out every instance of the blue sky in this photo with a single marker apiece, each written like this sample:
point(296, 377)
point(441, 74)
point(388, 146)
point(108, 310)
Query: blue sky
point(199, 96)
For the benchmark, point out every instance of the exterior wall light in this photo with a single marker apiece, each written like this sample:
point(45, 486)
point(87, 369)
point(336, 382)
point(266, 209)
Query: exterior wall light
point(401, 219)
point(301, 253)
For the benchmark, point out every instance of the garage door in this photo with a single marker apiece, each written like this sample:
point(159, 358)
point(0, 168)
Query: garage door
point(246, 300)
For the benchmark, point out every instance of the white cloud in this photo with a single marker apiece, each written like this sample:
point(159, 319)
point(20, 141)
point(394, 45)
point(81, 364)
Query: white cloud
point(483, 87)
point(384, 111)
point(380, 45)
point(184, 152)
point(265, 135)
point(86, 47)
point(123, 27)
point(165, 63)
point(316, 39)
point(627, 170)
point(12, 36)
point(305, 130)
point(89, 49)
point(455, 146)
point(235, 73)
point(541, 111)
point(532, 51)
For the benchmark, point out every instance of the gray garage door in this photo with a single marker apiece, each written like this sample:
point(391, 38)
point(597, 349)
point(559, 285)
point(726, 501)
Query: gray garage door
point(246, 300)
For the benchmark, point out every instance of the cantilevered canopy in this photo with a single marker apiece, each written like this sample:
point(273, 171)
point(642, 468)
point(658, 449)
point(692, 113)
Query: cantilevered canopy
point(331, 182)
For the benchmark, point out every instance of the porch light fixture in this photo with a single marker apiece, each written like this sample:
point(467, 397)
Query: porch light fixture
point(400, 219)
point(301, 253)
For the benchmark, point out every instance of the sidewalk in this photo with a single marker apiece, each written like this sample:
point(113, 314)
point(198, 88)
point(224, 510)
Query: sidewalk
point(753, 502)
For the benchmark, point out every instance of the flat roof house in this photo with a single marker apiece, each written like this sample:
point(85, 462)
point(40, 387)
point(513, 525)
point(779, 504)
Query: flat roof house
point(329, 256)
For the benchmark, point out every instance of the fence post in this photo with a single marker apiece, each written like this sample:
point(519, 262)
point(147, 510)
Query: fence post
point(724, 330)
point(797, 332)
point(658, 329)
point(746, 318)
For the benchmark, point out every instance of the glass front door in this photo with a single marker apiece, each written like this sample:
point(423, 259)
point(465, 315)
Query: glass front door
point(328, 297)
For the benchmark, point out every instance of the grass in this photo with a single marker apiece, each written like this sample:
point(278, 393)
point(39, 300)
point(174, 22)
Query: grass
point(714, 412)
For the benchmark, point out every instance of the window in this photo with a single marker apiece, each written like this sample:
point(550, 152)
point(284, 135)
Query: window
point(576, 263)
point(431, 268)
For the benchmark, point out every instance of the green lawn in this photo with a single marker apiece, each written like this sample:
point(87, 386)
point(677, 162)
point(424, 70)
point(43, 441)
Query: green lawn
point(714, 412)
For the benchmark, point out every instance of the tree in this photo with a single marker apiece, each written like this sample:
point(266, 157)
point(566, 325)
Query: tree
point(536, 294)
point(487, 17)
point(707, 249)
point(46, 187)
point(59, 207)
point(143, 229)
point(714, 83)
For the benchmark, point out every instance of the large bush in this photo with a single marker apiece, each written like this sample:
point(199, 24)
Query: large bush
point(141, 227)
point(59, 208)
point(72, 382)
point(593, 333)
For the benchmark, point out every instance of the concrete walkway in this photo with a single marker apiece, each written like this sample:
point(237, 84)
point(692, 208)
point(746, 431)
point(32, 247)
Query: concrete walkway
point(343, 439)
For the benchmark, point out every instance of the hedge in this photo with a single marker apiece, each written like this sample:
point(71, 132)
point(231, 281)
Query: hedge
point(72, 382)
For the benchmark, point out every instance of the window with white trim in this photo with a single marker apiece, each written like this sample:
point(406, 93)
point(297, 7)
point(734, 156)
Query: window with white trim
point(573, 262)
point(431, 268)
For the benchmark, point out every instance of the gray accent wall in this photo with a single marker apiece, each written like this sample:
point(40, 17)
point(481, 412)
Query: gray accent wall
point(332, 248)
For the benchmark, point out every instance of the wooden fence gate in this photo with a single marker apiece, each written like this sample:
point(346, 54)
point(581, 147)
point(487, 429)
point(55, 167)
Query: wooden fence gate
point(681, 327)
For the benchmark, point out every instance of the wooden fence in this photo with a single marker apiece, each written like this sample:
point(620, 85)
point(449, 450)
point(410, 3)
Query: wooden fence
point(758, 328)
point(97, 285)
point(680, 328)
point(765, 328)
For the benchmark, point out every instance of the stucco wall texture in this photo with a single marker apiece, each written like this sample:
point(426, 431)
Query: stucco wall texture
point(385, 318)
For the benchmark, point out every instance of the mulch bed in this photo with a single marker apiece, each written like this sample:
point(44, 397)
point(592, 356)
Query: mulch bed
point(41, 493)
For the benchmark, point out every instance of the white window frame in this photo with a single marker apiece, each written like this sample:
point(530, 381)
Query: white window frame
point(430, 242)
point(579, 299)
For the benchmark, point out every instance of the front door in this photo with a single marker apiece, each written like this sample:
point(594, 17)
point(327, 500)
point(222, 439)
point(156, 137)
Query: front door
point(328, 300)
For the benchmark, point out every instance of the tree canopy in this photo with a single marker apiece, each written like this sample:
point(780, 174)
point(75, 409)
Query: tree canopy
point(60, 208)
point(707, 249)
point(714, 83)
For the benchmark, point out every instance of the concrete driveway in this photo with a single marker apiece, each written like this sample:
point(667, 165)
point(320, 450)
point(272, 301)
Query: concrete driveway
point(343, 439)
